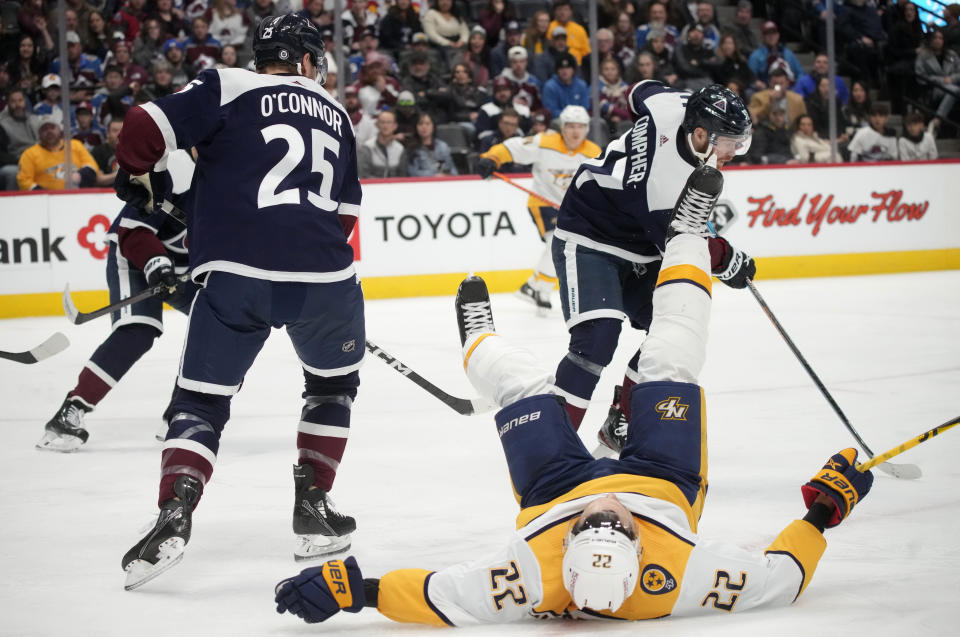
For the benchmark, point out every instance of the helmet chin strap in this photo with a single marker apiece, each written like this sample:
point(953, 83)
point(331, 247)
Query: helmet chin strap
point(709, 157)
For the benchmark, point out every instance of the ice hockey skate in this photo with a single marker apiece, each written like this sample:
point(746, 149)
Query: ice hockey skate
point(64, 432)
point(539, 298)
point(162, 548)
point(696, 202)
point(321, 530)
point(474, 313)
point(613, 431)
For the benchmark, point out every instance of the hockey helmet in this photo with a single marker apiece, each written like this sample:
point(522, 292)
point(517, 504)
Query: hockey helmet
point(285, 39)
point(722, 114)
point(574, 114)
point(601, 561)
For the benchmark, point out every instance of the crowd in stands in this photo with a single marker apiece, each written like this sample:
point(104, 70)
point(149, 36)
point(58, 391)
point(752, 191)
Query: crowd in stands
point(430, 85)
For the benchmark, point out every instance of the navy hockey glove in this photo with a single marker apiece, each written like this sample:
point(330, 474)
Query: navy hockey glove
point(320, 592)
point(159, 269)
point(146, 192)
point(486, 167)
point(733, 267)
point(840, 481)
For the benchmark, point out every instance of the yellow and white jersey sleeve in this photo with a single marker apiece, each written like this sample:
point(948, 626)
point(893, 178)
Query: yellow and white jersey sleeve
point(724, 578)
point(503, 587)
point(554, 165)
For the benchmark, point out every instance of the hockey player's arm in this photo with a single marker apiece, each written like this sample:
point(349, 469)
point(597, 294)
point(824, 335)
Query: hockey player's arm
point(350, 194)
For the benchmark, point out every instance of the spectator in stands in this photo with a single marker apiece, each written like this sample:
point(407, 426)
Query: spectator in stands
point(695, 61)
point(444, 25)
point(494, 17)
point(180, 69)
point(624, 39)
point(539, 123)
point(508, 125)
point(614, 107)
point(545, 64)
point(772, 54)
point(657, 47)
point(429, 91)
point(939, 69)
point(578, 42)
point(230, 59)
point(114, 99)
point(129, 18)
point(858, 24)
point(427, 156)
point(382, 156)
point(5, 84)
point(50, 104)
point(94, 38)
point(407, 114)
point(398, 26)
point(603, 53)
point(134, 75)
point(706, 19)
point(876, 142)
point(536, 38)
point(791, 15)
point(364, 126)
point(476, 55)
point(951, 32)
point(657, 20)
point(777, 95)
point(368, 51)
point(565, 88)
point(771, 139)
point(376, 89)
point(85, 69)
point(87, 129)
point(438, 61)
point(228, 25)
point(916, 142)
point(732, 66)
point(42, 166)
point(806, 145)
point(742, 31)
point(608, 12)
point(856, 112)
point(258, 10)
point(644, 67)
point(356, 18)
point(499, 58)
point(490, 112)
point(19, 124)
point(201, 43)
point(318, 12)
point(526, 87)
point(161, 83)
point(906, 38)
point(8, 164)
point(172, 21)
point(818, 108)
point(807, 84)
point(148, 47)
point(465, 99)
point(28, 68)
point(106, 153)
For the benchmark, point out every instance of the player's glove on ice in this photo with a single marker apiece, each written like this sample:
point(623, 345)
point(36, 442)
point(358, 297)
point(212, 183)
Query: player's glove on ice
point(147, 192)
point(730, 265)
point(840, 481)
point(320, 592)
point(485, 167)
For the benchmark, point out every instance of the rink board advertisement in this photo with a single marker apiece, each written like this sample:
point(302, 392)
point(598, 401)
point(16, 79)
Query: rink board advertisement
point(419, 237)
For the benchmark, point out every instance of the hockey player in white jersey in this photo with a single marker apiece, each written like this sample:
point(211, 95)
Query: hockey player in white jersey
point(555, 158)
point(610, 233)
point(603, 538)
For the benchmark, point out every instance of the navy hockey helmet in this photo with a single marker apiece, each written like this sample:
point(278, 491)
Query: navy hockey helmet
point(722, 114)
point(285, 39)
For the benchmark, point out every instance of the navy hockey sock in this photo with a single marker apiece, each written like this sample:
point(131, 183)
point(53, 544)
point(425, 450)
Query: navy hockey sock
point(111, 361)
point(325, 424)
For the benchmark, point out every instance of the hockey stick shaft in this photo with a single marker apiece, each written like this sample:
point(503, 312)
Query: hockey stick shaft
point(462, 406)
point(526, 190)
point(913, 442)
point(55, 344)
point(78, 318)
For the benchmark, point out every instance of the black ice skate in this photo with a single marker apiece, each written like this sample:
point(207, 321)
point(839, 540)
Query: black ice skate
point(474, 313)
point(532, 295)
point(162, 548)
point(695, 203)
point(613, 431)
point(65, 432)
point(321, 530)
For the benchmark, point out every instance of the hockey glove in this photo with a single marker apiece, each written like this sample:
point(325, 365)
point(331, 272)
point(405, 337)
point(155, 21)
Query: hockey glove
point(320, 592)
point(733, 267)
point(840, 481)
point(159, 269)
point(486, 167)
point(146, 192)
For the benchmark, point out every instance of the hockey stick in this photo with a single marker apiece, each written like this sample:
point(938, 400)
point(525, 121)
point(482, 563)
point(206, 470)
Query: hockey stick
point(463, 406)
point(53, 345)
point(77, 317)
point(913, 442)
point(902, 471)
point(526, 190)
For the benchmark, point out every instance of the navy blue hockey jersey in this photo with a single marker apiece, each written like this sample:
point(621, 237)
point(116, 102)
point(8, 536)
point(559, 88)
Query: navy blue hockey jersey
point(620, 202)
point(277, 189)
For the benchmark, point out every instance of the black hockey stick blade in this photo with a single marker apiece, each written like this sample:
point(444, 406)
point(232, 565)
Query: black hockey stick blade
point(464, 406)
point(53, 345)
point(78, 318)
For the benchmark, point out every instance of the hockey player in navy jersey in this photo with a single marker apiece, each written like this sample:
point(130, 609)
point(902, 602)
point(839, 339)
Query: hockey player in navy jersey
point(602, 539)
point(277, 196)
point(143, 250)
point(610, 232)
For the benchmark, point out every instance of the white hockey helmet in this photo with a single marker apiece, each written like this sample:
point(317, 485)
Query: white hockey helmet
point(574, 114)
point(601, 561)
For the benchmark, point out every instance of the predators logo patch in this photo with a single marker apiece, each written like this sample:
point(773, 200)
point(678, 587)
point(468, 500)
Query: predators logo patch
point(672, 409)
point(656, 580)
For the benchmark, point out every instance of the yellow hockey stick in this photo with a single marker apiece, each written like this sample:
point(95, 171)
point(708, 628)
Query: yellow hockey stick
point(913, 442)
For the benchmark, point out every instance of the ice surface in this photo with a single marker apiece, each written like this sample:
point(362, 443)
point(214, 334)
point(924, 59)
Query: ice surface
point(429, 487)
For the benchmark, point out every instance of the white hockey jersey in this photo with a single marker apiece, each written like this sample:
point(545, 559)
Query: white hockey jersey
point(680, 574)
